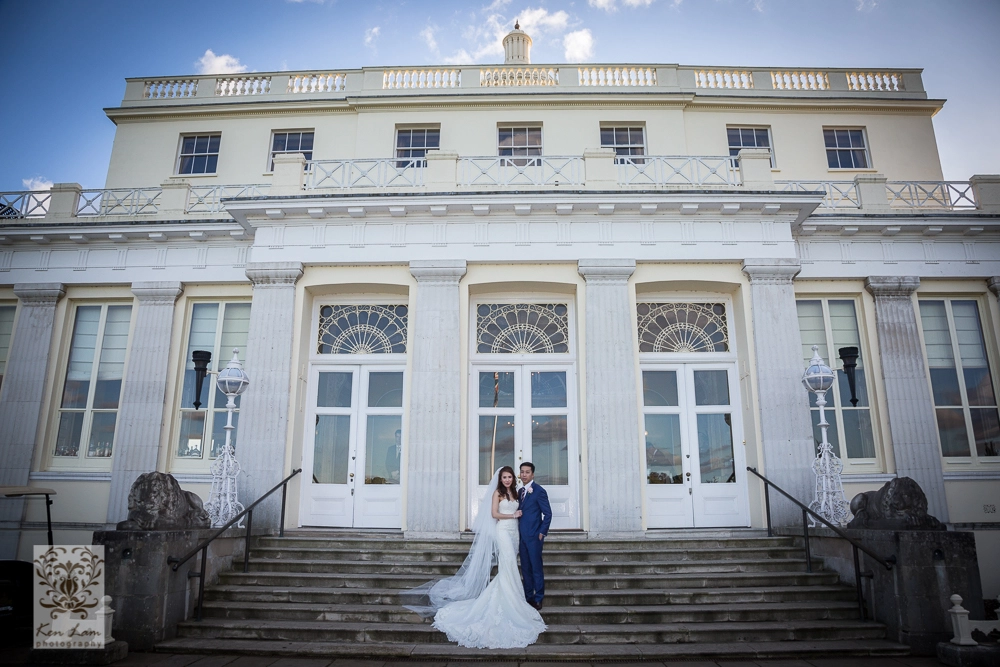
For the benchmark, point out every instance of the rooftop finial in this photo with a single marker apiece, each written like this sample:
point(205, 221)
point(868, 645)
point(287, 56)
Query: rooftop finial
point(517, 26)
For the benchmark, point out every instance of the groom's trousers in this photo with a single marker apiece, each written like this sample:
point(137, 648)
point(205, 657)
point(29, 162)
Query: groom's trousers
point(531, 569)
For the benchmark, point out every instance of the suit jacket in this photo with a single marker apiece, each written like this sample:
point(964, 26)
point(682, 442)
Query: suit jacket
point(536, 514)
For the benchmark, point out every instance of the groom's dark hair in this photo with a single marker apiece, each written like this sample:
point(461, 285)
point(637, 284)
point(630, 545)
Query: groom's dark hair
point(528, 464)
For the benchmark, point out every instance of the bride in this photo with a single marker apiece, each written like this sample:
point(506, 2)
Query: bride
point(472, 610)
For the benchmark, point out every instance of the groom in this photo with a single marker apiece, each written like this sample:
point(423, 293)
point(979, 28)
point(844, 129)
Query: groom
point(536, 516)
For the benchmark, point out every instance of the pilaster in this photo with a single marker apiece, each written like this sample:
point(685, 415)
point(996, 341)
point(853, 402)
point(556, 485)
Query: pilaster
point(786, 430)
point(912, 422)
point(144, 389)
point(21, 398)
point(434, 445)
point(614, 491)
point(265, 405)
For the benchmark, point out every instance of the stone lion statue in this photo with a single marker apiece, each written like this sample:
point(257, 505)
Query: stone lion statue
point(157, 502)
point(899, 505)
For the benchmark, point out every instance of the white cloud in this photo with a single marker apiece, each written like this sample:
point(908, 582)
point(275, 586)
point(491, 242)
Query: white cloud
point(484, 36)
point(371, 35)
point(535, 21)
point(579, 46)
point(36, 183)
point(644, 3)
point(612, 5)
point(606, 5)
point(866, 5)
point(497, 5)
point(428, 35)
point(757, 5)
point(221, 64)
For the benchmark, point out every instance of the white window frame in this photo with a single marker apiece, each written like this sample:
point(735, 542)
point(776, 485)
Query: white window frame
point(864, 137)
point(770, 140)
point(410, 161)
point(271, 152)
point(615, 146)
point(527, 158)
point(181, 154)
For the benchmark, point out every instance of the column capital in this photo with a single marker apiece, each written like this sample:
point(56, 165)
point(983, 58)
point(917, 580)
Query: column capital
point(994, 285)
point(39, 294)
point(771, 271)
point(890, 286)
point(274, 273)
point(606, 270)
point(447, 271)
point(164, 292)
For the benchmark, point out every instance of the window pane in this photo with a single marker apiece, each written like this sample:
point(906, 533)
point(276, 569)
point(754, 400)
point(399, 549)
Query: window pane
point(81, 357)
point(192, 433)
point(860, 159)
point(944, 385)
point(711, 388)
point(201, 336)
point(433, 139)
point(761, 138)
point(102, 434)
point(496, 445)
point(280, 140)
point(334, 390)
point(972, 350)
point(385, 390)
point(199, 165)
point(844, 388)
point(858, 434)
point(607, 136)
point(715, 449)
point(548, 390)
point(219, 432)
point(986, 429)
point(187, 146)
point(68, 438)
point(663, 449)
point(496, 390)
point(829, 138)
point(111, 369)
point(201, 144)
point(659, 388)
point(831, 432)
point(951, 428)
point(505, 138)
point(812, 328)
point(857, 139)
point(979, 386)
point(550, 450)
point(940, 356)
point(832, 161)
point(306, 141)
point(331, 449)
point(213, 143)
point(535, 136)
point(382, 448)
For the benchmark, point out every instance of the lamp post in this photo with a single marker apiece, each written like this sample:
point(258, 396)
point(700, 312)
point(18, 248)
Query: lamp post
point(222, 503)
point(830, 502)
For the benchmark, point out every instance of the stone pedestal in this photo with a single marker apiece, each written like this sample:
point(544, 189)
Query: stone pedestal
point(614, 474)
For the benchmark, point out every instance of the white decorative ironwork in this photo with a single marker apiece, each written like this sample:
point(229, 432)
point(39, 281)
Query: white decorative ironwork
point(317, 82)
point(799, 80)
point(504, 171)
point(653, 170)
point(362, 329)
point(723, 78)
point(239, 86)
point(682, 327)
point(128, 201)
point(371, 173)
point(15, 205)
point(522, 328)
point(208, 198)
point(836, 194)
point(931, 194)
point(881, 81)
point(619, 77)
point(164, 89)
point(223, 500)
point(500, 77)
point(395, 79)
point(830, 502)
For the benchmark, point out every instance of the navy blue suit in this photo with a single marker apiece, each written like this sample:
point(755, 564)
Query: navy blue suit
point(536, 517)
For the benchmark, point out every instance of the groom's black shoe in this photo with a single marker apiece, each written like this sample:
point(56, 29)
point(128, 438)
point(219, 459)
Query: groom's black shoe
point(536, 605)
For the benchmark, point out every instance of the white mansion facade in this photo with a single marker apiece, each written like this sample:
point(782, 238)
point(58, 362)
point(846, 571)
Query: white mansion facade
point(614, 271)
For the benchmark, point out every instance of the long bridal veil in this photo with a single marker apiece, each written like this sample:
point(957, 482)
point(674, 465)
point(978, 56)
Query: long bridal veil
point(474, 575)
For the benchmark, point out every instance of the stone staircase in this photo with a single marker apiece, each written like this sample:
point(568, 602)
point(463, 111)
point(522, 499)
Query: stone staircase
point(726, 594)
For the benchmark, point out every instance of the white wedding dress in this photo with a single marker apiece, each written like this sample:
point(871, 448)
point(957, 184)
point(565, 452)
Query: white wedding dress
point(499, 617)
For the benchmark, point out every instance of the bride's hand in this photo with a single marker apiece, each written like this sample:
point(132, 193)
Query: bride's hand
point(517, 514)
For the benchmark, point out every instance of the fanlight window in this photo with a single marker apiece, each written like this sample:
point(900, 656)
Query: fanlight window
point(522, 328)
point(364, 329)
point(683, 327)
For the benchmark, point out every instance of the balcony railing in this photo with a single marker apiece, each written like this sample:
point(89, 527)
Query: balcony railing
point(132, 201)
point(208, 198)
point(517, 171)
point(365, 173)
point(949, 195)
point(15, 205)
point(662, 171)
point(837, 194)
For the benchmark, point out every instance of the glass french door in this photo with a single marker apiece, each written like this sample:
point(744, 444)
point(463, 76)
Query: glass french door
point(352, 456)
point(695, 462)
point(525, 412)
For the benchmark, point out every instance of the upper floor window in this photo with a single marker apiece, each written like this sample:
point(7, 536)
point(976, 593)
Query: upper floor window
point(6, 330)
point(964, 397)
point(627, 142)
point(832, 324)
point(362, 329)
point(216, 327)
point(749, 137)
point(519, 142)
point(412, 145)
point(522, 328)
point(291, 142)
point(682, 327)
point(88, 410)
point(199, 154)
point(846, 148)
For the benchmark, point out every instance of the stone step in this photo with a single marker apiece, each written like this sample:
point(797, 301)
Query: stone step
point(554, 542)
point(727, 631)
point(288, 579)
point(553, 615)
point(553, 598)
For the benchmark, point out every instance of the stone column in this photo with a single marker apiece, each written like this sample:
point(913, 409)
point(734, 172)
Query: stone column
point(21, 398)
point(434, 443)
point(263, 427)
point(908, 397)
point(785, 426)
point(614, 478)
point(144, 391)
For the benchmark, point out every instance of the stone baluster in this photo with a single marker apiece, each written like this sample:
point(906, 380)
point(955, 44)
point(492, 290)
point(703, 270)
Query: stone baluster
point(434, 444)
point(614, 479)
point(144, 388)
point(21, 396)
point(785, 426)
point(908, 398)
point(264, 407)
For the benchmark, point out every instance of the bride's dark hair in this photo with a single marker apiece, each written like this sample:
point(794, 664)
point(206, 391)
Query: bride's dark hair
point(508, 492)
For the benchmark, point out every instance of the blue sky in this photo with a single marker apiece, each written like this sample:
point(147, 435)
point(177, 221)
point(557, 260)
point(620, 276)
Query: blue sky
point(64, 61)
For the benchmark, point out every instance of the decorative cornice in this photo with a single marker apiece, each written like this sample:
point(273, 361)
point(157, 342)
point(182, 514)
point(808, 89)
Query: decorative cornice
point(771, 271)
point(445, 271)
point(608, 271)
point(157, 292)
point(39, 294)
point(274, 273)
point(892, 286)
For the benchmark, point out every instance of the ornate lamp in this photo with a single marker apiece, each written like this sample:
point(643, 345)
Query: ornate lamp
point(830, 502)
point(223, 503)
point(849, 357)
point(201, 359)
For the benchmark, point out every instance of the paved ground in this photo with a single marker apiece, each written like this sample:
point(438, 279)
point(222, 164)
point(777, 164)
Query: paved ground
point(169, 660)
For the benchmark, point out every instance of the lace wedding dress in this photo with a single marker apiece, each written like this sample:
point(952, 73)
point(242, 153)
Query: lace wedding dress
point(499, 617)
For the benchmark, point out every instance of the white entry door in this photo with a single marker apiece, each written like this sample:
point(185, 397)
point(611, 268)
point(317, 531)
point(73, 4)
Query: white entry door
point(354, 447)
point(527, 412)
point(695, 463)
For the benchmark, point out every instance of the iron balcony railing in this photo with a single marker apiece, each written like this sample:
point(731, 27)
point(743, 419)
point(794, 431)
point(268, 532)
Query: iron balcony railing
point(364, 173)
point(208, 198)
point(29, 204)
point(510, 171)
point(125, 201)
point(664, 171)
